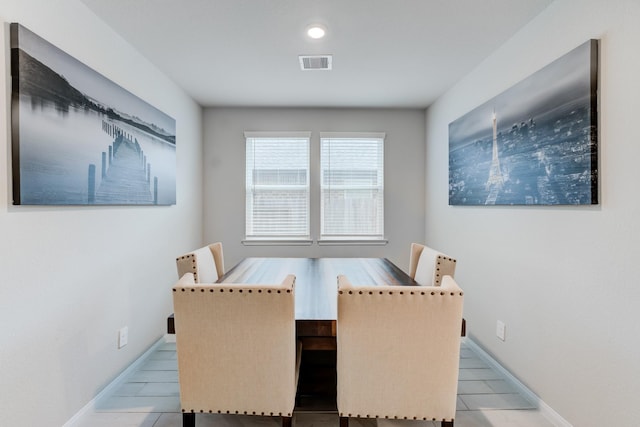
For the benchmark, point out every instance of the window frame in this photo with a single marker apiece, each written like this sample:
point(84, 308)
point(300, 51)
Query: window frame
point(284, 239)
point(354, 238)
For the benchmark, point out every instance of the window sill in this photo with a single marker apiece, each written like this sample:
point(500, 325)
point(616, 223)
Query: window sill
point(352, 242)
point(278, 242)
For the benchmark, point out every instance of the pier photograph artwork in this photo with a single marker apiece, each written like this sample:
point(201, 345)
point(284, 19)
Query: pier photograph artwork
point(534, 144)
point(78, 138)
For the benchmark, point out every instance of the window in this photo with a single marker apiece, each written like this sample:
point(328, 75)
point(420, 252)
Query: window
point(352, 186)
point(277, 186)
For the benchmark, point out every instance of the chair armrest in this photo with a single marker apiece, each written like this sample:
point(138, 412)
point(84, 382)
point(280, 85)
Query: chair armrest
point(344, 282)
point(186, 280)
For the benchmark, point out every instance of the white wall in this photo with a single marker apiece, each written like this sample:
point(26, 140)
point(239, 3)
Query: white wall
point(72, 276)
point(563, 279)
point(224, 176)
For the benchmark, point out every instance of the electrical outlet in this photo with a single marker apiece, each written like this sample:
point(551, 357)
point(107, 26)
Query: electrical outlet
point(500, 330)
point(123, 337)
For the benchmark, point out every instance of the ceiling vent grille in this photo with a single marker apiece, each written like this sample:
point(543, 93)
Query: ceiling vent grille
point(315, 62)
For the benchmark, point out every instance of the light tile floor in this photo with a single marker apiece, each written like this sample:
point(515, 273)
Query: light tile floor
point(150, 397)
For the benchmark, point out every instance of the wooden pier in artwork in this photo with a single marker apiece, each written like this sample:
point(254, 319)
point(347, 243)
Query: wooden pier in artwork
point(125, 173)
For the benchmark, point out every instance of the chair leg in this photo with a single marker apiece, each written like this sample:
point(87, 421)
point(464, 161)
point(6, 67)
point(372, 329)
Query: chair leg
point(344, 421)
point(447, 423)
point(188, 419)
point(286, 421)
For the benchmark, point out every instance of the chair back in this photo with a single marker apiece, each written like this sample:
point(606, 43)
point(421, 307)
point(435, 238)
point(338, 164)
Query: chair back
point(236, 347)
point(206, 263)
point(398, 350)
point(428, 266)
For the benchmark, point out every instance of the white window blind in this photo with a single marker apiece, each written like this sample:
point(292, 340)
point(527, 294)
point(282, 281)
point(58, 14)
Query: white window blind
point(352, 186)
point(277, 186)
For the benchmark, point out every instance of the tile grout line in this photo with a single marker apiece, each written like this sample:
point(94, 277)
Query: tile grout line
point(474, 353)
point(547, 411)
point(112, 386)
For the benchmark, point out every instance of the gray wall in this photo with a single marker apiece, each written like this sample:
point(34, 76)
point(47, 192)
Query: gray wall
point(563, 279)
point(71, 277)
point(224, 176)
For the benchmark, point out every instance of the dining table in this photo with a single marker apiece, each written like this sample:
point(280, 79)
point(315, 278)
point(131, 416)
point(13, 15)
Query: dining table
point(316, 287)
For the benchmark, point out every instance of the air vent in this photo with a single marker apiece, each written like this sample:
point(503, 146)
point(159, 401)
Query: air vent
point(315, 62)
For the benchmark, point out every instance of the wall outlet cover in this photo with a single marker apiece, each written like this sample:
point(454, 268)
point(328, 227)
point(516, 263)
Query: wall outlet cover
point(500, 330)
point(123, 337)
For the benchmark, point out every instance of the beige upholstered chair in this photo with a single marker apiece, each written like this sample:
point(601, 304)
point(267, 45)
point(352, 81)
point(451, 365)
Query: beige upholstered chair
point(428, 266)
point(237, 350)
point(206, 264)
point(389, 370)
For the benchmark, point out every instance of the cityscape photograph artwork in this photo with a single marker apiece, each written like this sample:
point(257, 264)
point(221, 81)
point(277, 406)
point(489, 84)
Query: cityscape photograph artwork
point(535, 143)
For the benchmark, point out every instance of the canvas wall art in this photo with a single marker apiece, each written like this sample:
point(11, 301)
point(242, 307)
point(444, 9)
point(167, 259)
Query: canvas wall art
point(80, 139)
point(534, 144)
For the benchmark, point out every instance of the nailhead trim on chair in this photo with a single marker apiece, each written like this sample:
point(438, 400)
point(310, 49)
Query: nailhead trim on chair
point(194, 270)
point(394, 417)
point(231, 290)
point(438, 279)
point(236, 412)
point(401, 293)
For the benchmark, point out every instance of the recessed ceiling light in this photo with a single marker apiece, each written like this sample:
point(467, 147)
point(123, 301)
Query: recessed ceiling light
point(316, 32)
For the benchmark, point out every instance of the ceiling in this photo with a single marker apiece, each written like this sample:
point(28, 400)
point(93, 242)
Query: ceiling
point(386, 53)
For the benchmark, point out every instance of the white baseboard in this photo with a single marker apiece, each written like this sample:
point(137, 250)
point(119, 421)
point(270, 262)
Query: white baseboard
point(546, 410)
point(115, 383)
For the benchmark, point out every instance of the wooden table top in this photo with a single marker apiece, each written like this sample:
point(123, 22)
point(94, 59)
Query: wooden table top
point(316, 279)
